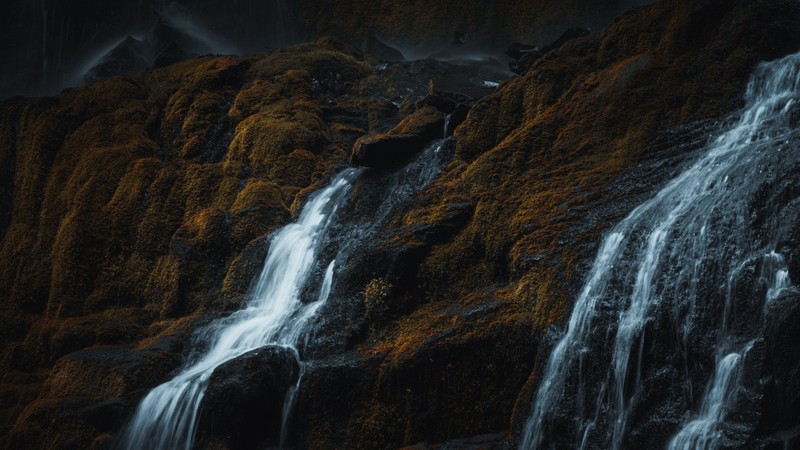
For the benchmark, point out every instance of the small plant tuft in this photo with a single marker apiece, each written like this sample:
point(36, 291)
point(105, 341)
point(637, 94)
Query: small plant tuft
point(375, 294)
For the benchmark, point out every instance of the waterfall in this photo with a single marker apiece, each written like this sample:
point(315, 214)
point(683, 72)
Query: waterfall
point(167, 417)
point(681, 259)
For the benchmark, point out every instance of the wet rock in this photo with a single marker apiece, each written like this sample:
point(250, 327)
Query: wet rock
point(426, 123)
point(245, 397)
point(455, 106)
point(333, 391)
point(781, 402)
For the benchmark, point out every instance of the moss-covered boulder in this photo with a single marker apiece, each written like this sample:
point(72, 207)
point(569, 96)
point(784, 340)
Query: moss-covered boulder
point(401, 143)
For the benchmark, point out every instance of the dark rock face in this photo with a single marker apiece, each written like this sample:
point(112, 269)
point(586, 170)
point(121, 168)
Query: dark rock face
point(243, 405)
point(781, 401)
point(456, 384)
point(401, 143)
point(457, 117)
point(448, 24)
point(386, 152)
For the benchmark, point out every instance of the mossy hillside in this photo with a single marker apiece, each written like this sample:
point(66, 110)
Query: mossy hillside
point(542, 163)
point(154, 194)
point(545, 147)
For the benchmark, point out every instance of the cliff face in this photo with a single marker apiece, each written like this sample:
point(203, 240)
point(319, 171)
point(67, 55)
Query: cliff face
point(135, 209)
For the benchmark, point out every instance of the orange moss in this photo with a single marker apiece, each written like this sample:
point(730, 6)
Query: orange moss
point(145, 192)
point(318, 60)
point(406, 336)
point(268, 136)
point(534, 156)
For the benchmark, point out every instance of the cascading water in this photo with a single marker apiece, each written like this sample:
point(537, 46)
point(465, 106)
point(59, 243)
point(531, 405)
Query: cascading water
point(167, 417)
point(681, 260)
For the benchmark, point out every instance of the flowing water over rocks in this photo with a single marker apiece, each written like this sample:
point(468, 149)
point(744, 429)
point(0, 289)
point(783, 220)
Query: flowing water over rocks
point(667, 333)
point(276, 314)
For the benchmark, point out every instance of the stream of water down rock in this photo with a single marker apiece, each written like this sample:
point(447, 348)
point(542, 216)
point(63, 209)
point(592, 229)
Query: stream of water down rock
point(276, 313)
point(699, 266)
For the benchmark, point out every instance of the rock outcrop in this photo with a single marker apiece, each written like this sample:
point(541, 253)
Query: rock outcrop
point(243, 404)
point(401, 143)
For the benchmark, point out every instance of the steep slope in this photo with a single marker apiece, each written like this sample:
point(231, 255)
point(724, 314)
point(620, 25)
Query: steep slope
point(133, 205)
point(493, 252)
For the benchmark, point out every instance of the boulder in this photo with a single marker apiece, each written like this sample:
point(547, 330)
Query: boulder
point(400, 144)
point(385, 152)
point(455, 106)
point(244, 400)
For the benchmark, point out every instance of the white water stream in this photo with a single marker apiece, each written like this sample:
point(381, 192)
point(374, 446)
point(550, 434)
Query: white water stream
point(167, 417)
point(658, 258)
